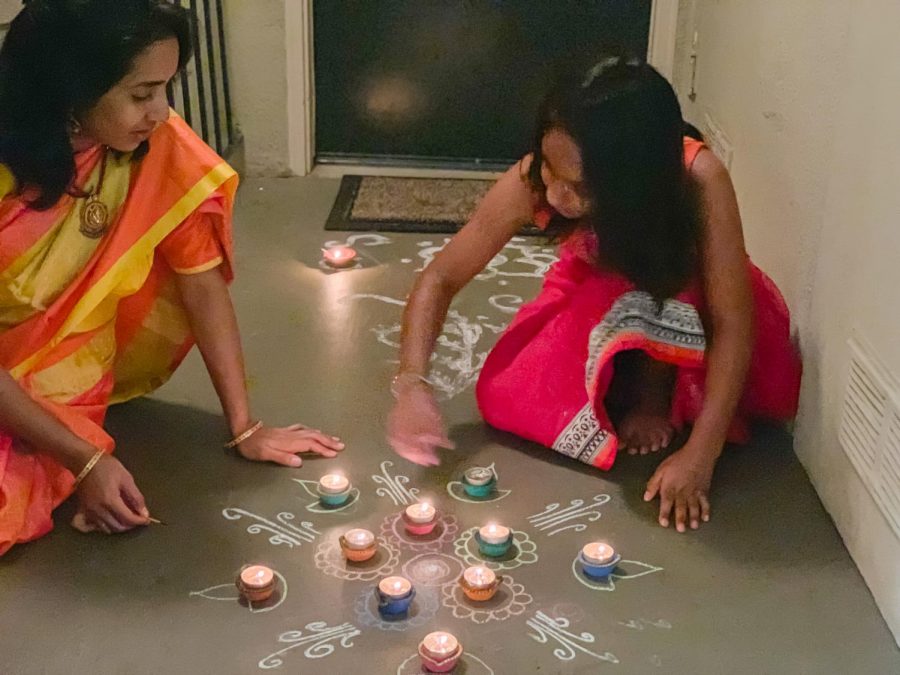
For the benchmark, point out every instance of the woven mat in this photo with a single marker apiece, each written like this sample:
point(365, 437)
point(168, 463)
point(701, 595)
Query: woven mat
point(385, 204)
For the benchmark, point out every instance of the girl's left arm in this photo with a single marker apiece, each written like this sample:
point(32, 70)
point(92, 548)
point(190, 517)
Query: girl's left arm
point(682, 480)
point(211, 315)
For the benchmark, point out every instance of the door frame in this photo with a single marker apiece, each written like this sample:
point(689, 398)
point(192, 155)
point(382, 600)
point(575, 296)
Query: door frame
point(301, 108)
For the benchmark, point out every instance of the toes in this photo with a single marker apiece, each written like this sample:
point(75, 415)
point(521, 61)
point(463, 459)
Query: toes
point(662, 438)
point(668, 437)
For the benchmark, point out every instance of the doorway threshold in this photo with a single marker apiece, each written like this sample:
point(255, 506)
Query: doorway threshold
point(331, 166)
point(341, 170)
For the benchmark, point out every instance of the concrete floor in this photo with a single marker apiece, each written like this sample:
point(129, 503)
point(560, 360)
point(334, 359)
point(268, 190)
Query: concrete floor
point(766, 587)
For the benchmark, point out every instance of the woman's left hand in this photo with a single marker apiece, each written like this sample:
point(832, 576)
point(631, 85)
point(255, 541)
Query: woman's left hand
point(682, 482)
point(282, 445)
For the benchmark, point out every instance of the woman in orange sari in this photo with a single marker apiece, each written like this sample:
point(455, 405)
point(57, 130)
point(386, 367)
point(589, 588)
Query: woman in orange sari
point(115, 254)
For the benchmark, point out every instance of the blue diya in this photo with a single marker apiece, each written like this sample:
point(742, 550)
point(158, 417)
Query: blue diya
point(390, 602)
point(598, 570)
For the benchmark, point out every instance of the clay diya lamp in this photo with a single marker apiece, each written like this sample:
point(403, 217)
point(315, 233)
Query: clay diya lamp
point(420, 519)
point(479, 482)
point(479, 583)
point(339, 257)
point(440, 652)
point(334, 489)
point(395, 595)
point(255, 583)
point(358, 545)
point(494, 540)
point(598, 559)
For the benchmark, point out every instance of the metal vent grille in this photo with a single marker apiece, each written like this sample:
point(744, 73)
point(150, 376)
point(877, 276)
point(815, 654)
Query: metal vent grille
point(863, 415)
point(889, 473)
point(870, 430)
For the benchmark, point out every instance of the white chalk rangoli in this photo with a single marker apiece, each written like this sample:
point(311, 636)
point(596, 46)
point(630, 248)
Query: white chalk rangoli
point(318, 640)
point(316, 505)
point(394, 486)
point(229, 593)
point(553, 519)
point(523, 551)
point(330, 560)
point(456, 489)
point(511, 600)
point(433, 569)
point(422, 610)
point(547, 628)
point(465, 342)
point(281, 531)
point(474, 666)
point(444, 531)
point(624, 571)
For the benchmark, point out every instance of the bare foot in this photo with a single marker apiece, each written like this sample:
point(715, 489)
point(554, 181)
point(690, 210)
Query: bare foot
point(644, 422)
point(645, 431)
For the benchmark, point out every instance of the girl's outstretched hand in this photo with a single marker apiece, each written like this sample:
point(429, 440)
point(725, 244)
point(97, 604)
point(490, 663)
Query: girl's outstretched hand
point(682, 483)
point(415, 426)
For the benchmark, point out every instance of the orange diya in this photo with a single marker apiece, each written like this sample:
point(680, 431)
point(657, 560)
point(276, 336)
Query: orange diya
point(358, 545)
point(256, 583)
point(479, 583)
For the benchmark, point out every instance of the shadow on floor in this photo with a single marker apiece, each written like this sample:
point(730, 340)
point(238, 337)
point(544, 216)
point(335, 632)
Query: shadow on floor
point(765, 511)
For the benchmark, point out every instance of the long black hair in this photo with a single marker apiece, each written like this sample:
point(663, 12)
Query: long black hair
point(58, 59)
point(626, 120)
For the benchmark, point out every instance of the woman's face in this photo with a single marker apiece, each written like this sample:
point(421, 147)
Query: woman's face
point(563, 175)
point(127, 114)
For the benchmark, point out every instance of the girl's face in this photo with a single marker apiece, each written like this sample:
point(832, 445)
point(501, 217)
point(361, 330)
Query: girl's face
point(563, 175)
point(128, 114)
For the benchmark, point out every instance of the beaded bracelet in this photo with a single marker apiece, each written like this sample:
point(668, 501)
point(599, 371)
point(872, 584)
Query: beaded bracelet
point(237, 440)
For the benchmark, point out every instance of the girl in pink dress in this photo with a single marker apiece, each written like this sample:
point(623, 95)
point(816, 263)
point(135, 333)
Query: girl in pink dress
point(653, 319)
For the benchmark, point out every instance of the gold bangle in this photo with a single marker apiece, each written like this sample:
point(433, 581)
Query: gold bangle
point(407, 375)
point(237, 440)
point(92, 462)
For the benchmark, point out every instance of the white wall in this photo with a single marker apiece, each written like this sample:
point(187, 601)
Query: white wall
point(807, 92)
point(255, 36)
point(769, 73)
point(857, 284)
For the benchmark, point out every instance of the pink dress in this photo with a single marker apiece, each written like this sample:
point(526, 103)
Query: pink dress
point(547, 377)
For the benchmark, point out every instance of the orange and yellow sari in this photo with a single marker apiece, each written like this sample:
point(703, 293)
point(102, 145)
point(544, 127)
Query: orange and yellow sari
point(85, 323)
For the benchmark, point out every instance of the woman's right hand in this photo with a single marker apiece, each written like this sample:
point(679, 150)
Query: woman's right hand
point(109, 500)
point(415, 426)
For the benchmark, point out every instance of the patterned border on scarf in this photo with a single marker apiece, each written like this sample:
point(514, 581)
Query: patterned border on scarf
point(677, 326)
point(583, 438)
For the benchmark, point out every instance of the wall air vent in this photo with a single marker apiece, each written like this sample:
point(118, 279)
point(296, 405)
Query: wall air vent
point(870, 429)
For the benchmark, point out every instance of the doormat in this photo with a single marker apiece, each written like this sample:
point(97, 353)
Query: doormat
point(424, 205)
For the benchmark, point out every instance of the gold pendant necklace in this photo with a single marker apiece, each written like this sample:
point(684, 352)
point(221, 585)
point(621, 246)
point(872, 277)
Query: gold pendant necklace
point(94, 213)
point(94, 218)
